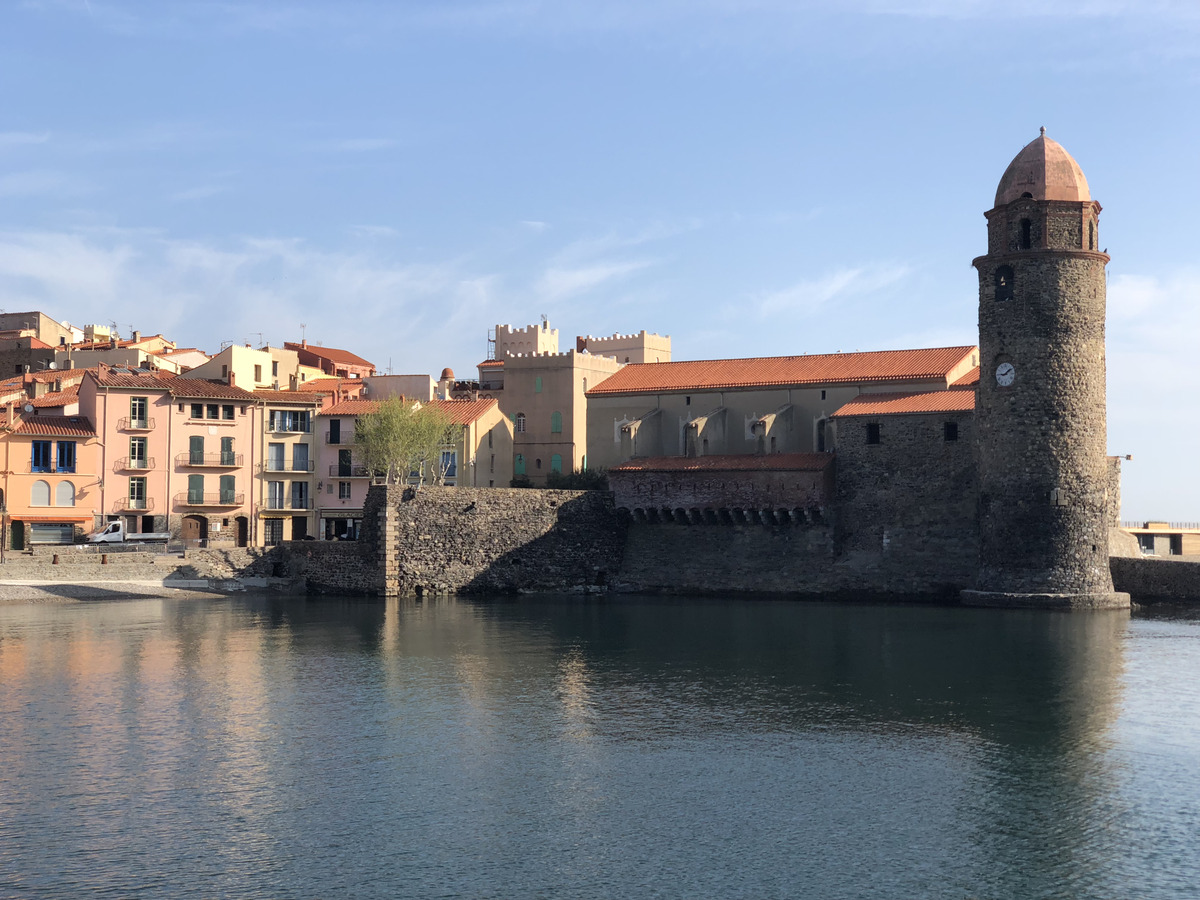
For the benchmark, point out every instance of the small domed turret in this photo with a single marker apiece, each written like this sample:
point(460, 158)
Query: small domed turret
point(1043, 170)
point(447, 374)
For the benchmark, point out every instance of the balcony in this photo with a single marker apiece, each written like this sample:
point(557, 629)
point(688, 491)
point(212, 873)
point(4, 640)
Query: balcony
point(209, 460)
point(340, 438)
point(353, 471)
point(125, 423)
point(282, 466)
point(216, 498)
point(289, 428)
point(276, 504)
point(130, 504)
point(126, 464)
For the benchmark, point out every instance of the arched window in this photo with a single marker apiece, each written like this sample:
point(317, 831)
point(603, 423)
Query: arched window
point(556, 423)
point(537, 463)
point(64, 494)
point(1004, 283)
point(519, 464)
point(40, 495)
point(1026, 234)
point(519, 423)
point(556, 463)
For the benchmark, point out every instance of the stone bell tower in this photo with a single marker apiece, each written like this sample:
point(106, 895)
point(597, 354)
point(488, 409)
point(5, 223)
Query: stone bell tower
point(1040, 420)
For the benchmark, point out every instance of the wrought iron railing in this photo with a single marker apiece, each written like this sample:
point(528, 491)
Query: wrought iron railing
point(210, 498)
point(131, 504)
point(125, 423)
point(133, 464)
point(210, 460)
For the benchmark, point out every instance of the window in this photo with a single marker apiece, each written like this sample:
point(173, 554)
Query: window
point(335, 431)
point(872, 432)
point(687, 401)
point(294, 420)
point(556, 463)
point(195, 489)
point(519, 464)
point(1026, 240)
point(345, 467)
point(537, 463)
point(257, 374)
point(275, 495)
point(950, 431)
point(583, 463)
point(227, 455)
point(214, 411)
point(40, 493)
point(224, 371)
point(227, 411)
point(490, 430)
point(40, 461)
point(343, 490)
point(275, 457)
point(66, 457)
point(520, 423)
point(275, 368)
point(822, 395)
point(1091, 235)
point(300, 458)
point(273, 531)
point(1004, 283)
point(449, 464)
point(537, 385)
point(556, 423)
point(492, 464)
point(137, 412)
point(228, 489)
point(197, 410)
point(299, 495)
point(137, 453)
point(137, 492)
point(196, 450)
point(585, 385)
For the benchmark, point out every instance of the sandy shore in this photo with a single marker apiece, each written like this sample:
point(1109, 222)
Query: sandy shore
point(68, 592)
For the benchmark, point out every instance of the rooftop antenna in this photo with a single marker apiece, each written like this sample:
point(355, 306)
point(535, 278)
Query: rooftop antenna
point(302, 327)
point(260, 339)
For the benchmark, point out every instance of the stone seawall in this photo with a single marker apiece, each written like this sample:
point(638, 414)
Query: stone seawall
point(1150, 580)
point(470, 540)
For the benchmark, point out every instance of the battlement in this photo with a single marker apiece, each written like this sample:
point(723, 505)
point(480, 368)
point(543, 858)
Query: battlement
point(628, 348)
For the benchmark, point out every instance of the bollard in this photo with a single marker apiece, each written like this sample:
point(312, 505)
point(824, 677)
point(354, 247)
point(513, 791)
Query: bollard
point(104, 559)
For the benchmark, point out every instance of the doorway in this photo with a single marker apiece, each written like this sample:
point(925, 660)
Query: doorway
point(243, 531)
point(194, 531)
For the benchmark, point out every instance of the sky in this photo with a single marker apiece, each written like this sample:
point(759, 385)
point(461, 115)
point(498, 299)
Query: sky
point(751, 177)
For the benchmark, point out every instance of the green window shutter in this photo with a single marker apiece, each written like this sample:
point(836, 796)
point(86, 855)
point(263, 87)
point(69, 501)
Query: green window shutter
point(519, 464)
point(556, 463)
point(556, 423)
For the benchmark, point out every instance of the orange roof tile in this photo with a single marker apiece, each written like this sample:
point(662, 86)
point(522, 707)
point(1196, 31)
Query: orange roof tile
point(141, 380)
point(351, 408)
point(46, 376)
point(830, 368)
point(206, 389)
point(969, 380)
point(490, 363)
point(328, 385)
point(330, 353)
point(55, 399)
point(271, 396)
point(463, 412)
point(896, 404)
point(746, 462)
point(57, 426)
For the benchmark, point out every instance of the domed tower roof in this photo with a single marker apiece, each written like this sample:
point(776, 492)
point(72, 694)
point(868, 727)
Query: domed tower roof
point(1045, 171)
point(447, 374)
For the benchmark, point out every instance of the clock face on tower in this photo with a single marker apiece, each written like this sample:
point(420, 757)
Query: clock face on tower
point(1005, 374)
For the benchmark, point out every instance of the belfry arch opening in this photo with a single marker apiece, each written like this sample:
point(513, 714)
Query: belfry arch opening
point(1025, 241)
point(1004, 283)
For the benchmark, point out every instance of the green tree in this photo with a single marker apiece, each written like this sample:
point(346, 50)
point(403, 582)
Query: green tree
point(403, 441)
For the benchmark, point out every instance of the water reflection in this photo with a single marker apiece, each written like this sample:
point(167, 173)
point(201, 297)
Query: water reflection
point(268, 746)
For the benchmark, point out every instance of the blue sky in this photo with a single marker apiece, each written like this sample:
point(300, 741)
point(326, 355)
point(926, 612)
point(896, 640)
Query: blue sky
point(753, 178)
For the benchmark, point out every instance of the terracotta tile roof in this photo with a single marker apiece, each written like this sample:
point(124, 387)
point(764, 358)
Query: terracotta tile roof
point(896, 404)
point(329, 385)
point(463, 412)
point(206, 388)
point(351, 408)
point(969, 380)
point(35, 344)
point(744, 462)
point(490, 363)
point(47, 376)
point(57, 426)
point(140, 379)
point(54, 399)
point(271, 396)
point(830, 368)
point(330, 353)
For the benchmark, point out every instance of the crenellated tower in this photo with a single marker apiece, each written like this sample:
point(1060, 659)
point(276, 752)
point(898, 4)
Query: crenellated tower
point(1040, 414)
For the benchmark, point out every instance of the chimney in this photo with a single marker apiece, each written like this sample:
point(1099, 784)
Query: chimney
point(293, 383)
point(112, 340)
point(232, 378)
point(137, 336)
point(303, 343)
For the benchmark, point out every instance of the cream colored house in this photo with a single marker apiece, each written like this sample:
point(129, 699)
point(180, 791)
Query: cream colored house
point(286, 481)
point(483, 454)
point(270, 368)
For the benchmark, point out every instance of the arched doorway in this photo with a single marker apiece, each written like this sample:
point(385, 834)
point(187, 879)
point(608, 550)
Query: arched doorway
point(194, 531)
point(243, 531)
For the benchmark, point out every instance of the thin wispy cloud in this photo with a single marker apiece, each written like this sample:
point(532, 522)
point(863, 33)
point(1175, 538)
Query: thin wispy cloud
point(809, 296)
point(558, 284)
point(22, 138)
point(32, 183)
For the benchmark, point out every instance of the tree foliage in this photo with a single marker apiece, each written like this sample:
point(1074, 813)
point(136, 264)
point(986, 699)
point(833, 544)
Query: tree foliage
point(401, 438)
